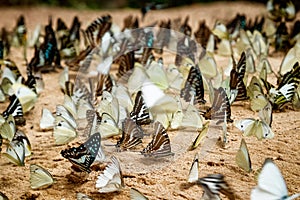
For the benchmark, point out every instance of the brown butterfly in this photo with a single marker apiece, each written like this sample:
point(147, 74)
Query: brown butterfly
point(220, 107)
point(236, 78)
point(132, 135)
point(140, 113)
point(160, 145)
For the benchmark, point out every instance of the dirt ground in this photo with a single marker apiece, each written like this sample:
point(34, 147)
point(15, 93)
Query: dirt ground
point(165, 180)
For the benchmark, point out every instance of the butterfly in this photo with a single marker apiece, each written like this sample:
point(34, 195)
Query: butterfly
point(3, 196)
point(163, 36)
point(281, 10)
point(111, 179)
point(136, 195)
point(93, 121)
point(289, 59)
point(271, 184)
point(40, 177)
point(126, 63)
point(8, 128)
point(108, 126)
point(220, 107)
point(160, 145)
point(193, 86)
point(15, 153)
point(237, 78)
point(132, 135)
point(242, 157)
point(200, 137)
point(194, 173)
point(140, 113)
point(213, 184)
point(47, 119)
point(63, 131)
point(81, 196)
point(258, 128)
point(82, 157)
point(15, 109)
point(21, 137)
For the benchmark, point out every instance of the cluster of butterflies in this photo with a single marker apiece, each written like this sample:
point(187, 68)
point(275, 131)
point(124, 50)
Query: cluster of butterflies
point(145, 92)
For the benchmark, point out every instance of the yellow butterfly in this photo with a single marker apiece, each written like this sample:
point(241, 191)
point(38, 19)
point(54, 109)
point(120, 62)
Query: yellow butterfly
point(242, 157)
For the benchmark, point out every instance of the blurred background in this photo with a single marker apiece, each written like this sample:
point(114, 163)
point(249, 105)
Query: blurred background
point(103, 4)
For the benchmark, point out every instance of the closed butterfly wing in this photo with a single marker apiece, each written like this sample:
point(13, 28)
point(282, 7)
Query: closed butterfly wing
point(3, 196)
point(15, 109)
point(271, 184)
point(265, 114)
point(290, 59)
point(214, 184)
point(109, 104)
point(263, 131)
point(140, 113)
point(136, 195)
point(158, 75)
point(200, 137)
point(15, 153)
point(193, 86)
point(111, 179)
point(47, 119)
point(194, 170)
point(108, 126)
point(208, 66)
point(40, 177)
point(192, 118)
point(81, 196)
point(26, 96)
point(8, 128)
point(63, 131)
point(132, 135)
point(21, 137)
point(242, 157)
point(160, 145)
point(82, 157)
point(61, 111)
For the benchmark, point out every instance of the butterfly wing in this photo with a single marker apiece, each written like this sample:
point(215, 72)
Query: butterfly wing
point(63, 131)
point(160, 145)
point(194, 170)
point(140, 112)
point(243, 158)
point(39, 177)
point(136, 195)
point(247, 126)
point(15, 153)
point(111, 179)
point(108, 126)
point(271, 184)
point(47, 119)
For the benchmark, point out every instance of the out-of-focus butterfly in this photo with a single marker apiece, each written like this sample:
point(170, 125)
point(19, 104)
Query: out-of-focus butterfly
point(194, 170)
point(271, 184)
point(281, 10)
point(200, 137)
point(140, 113)
point(220, 107)
point(237, 78)
point(290, 59)
point(242, 157)
point(160, 145)
point(111, 179)
point(282, 38)
point(193, 87)
point(40, 177)
point(15, 153)
point(136, 195)
point(81, 196)
point(3, 196)
point(213, 185)
point(132, 135)
point(82, 157)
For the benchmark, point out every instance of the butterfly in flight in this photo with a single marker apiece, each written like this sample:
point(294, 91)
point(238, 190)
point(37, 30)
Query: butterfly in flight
point(271, 184)
point(160, 145)
point(82, 157)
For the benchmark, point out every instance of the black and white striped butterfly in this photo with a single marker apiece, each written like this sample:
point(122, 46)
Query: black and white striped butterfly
point(160, 145)
point(193, 87)
point(237, 78)
point(140, 113)
point(271, 184)
point(213, 185)
point(15, 109)
point(111, 179)
point(220, 107)
point(132, 135)
point(82, 157)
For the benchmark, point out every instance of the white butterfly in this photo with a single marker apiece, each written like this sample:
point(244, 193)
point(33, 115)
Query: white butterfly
point(136, 195)
point(15, 153)
point(8, 128)
point(111, 180)
point(242, 157)
point(25, 95)
point(63, 131)
point(271, 184)
point(194, 170)
point(39, 177)
point(47, 119)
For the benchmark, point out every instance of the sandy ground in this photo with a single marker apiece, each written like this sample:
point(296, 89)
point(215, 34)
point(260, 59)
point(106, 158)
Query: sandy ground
point(166, 180)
